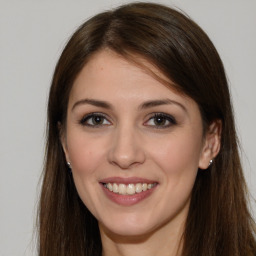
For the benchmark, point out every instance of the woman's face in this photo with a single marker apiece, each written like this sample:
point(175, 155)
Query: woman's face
point(134, 146)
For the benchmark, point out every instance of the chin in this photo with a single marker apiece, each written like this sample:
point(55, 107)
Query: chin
point(128, 227)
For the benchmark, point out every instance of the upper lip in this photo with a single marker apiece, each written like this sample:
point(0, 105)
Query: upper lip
point(128, 180)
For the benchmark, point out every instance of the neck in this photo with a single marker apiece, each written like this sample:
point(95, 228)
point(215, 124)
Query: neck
point(158, 243)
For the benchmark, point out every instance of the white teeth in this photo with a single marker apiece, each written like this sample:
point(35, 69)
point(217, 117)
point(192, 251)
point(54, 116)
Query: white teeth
point(122, 189)
point(138, 188)
point(144, 186)
point(115, 188)
point(129, 189)
point(110, 187)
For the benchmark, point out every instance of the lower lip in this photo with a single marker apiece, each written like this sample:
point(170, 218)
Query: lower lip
point(128, 200)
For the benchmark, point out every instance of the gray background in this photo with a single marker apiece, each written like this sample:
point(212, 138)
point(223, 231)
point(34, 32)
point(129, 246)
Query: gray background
point(32, 35)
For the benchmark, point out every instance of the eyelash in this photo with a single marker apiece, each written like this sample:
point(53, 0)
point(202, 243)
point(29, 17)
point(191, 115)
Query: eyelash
point(165, 118)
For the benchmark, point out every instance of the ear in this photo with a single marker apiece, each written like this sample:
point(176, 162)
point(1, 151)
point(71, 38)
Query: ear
point(63, 141)
point(211, 146)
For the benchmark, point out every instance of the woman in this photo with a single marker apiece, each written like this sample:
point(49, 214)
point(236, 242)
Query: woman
point(142, 154)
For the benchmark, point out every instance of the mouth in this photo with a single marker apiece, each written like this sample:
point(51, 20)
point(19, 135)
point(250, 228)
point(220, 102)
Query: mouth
point(128, 191)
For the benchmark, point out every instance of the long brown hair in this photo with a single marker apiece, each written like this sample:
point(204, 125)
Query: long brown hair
point(218, 223)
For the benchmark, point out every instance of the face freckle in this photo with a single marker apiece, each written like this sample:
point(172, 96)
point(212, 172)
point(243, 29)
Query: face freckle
point(125, 127)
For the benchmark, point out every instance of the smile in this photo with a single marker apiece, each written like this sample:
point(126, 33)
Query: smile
point(129, 189)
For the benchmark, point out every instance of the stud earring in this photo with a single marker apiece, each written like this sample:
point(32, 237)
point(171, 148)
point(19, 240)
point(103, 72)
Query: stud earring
point(210, 162)
point(69, 168)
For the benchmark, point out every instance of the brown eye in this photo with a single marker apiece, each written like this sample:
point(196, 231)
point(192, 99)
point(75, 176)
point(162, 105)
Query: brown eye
point(95, 120)
point(161, 120)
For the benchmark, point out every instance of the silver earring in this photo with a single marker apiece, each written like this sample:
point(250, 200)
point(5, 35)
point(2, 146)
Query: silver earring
point(69, 168)
point(210, 162)
point(69, 165)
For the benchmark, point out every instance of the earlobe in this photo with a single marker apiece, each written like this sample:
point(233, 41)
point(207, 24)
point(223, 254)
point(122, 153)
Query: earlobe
point(212, 144)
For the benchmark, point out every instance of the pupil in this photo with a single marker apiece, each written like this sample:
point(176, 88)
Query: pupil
point(97, 120)
point(159, 120)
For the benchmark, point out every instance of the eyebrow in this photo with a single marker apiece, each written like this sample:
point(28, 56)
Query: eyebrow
point(145, 105)
point(155, 103)
point(97, 103)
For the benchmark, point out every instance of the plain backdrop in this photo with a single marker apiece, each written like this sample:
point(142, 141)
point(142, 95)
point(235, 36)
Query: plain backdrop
point(32, 35)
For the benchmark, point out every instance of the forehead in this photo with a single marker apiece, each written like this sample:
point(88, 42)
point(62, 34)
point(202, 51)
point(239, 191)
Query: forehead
point(109, 76)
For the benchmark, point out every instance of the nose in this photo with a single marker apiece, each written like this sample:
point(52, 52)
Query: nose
point(126, 150)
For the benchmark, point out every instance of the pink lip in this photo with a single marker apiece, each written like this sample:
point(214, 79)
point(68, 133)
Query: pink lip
point(127, 200)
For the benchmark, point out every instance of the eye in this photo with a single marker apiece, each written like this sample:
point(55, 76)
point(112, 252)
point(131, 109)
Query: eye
point(94, 120)
point(161, 120)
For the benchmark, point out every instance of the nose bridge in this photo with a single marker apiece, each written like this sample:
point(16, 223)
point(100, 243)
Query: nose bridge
point(126, 149)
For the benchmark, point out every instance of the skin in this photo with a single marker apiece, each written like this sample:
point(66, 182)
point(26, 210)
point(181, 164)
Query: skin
point(128, 142)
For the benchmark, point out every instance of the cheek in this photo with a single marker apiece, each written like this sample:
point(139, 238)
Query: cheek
point(86, 158)
point(177, 159)
point(84, 155)
point(178, 154)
